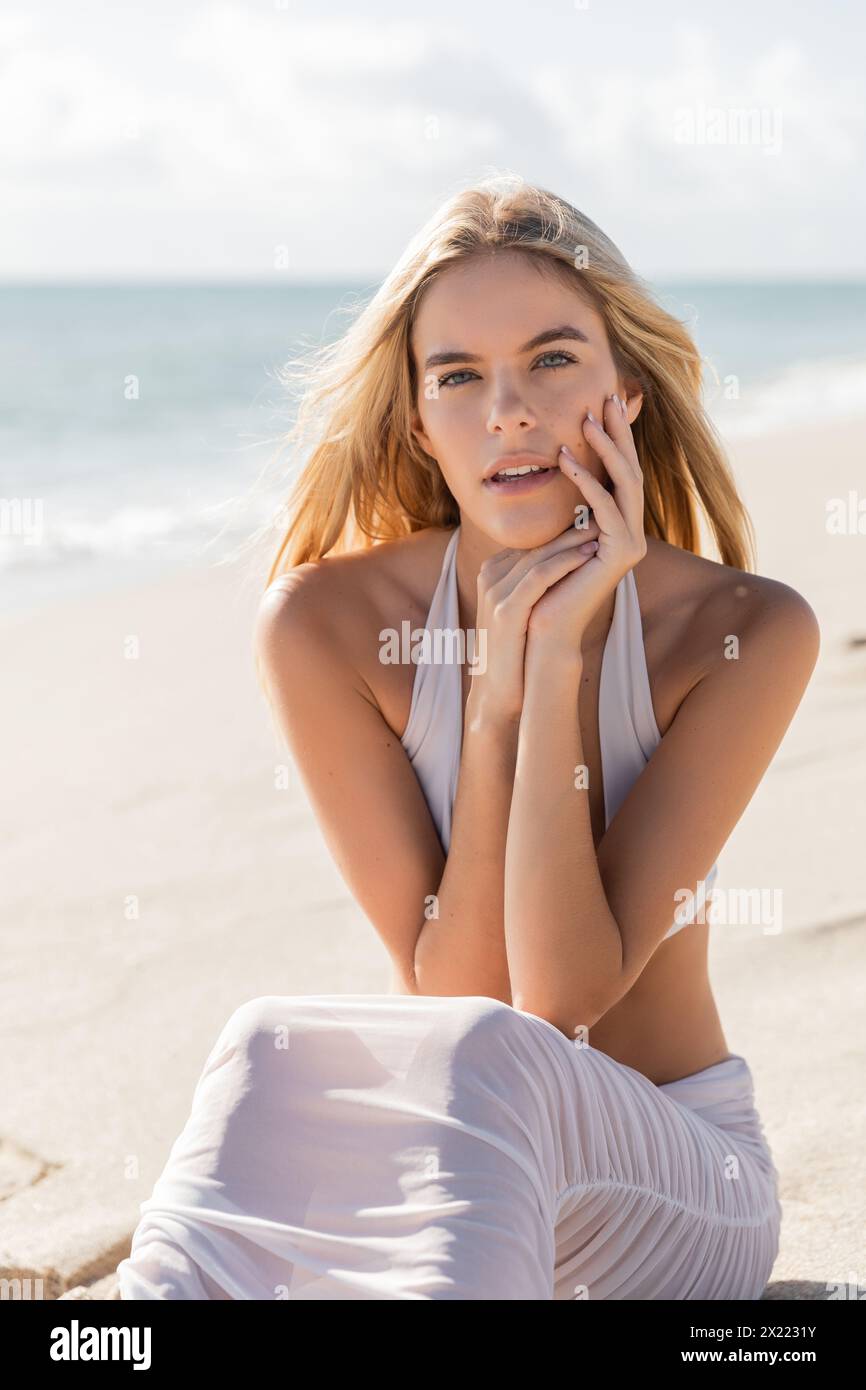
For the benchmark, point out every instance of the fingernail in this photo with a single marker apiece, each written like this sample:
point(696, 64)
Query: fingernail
point(591, 417)
point(564, 449)
point(623, 407)
point(615, 398)
point(588, 547)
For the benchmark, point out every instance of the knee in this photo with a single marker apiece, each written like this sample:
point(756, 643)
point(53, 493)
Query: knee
point(261, 1029)
point(484, 1026)
point(255, 1017)
point(478, 1013)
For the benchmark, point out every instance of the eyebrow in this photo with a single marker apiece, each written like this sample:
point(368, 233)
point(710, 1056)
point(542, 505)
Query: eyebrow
point(549, 335)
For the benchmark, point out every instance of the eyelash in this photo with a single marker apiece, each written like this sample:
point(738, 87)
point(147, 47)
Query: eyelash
point(554, 352)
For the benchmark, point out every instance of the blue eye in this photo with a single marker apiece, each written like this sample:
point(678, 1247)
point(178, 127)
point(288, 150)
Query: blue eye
point(448, 382)
point(556, 353)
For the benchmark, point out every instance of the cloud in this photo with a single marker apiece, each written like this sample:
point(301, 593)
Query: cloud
point(280, 128)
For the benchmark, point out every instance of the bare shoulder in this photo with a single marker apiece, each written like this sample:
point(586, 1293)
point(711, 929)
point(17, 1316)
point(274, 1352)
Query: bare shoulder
point(337, 606)
point(318, 656)
point(699, 615)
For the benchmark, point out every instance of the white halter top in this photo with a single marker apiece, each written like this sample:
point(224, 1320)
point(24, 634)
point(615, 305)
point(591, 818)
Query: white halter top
point(628, 733)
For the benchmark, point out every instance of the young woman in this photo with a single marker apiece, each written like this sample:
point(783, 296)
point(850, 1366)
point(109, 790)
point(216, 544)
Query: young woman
point(545, 1106)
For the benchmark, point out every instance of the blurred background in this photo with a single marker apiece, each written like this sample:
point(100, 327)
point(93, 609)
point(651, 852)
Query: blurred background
point(191, 195)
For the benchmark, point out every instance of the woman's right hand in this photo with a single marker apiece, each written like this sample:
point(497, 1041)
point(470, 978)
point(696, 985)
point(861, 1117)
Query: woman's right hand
point(510, 583)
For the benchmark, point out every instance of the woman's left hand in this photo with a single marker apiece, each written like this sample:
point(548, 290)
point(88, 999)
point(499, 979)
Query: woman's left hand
point(562, 614)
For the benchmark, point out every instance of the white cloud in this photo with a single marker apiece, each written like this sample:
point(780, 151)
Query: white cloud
point(337, 131)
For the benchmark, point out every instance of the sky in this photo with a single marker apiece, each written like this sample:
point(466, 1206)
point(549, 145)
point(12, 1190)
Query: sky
point(309, 141)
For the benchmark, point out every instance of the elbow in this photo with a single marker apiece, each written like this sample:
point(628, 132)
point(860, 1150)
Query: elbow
point(575, 1021)
point(575, 1011)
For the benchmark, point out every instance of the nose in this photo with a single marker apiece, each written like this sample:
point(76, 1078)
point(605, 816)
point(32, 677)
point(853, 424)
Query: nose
point(509, 410)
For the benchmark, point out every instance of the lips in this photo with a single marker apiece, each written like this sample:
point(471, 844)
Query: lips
point(520, 458)
point(522, 482)
point(505, 477)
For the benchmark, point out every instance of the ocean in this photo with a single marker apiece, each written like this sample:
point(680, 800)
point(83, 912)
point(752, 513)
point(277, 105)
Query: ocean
point(139, 424)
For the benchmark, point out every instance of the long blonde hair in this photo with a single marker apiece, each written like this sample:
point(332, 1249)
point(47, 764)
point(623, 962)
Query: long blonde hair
point(368, 479)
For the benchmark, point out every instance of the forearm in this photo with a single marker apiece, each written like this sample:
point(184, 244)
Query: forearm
point(462, 949)
point(563, 944)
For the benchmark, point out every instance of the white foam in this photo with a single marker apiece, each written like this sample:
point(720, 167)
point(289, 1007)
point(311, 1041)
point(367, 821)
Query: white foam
point(805, 392)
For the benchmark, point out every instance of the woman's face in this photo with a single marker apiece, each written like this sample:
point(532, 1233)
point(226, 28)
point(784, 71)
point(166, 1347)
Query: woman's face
point(488, 387)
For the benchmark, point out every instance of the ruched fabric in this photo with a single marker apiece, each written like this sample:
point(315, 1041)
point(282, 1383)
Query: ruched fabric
point(424, 1147)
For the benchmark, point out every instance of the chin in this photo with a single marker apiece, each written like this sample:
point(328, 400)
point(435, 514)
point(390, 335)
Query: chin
point(525, 528)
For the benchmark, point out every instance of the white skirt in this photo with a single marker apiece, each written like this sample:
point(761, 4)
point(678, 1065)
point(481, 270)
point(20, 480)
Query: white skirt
point(380, 1146)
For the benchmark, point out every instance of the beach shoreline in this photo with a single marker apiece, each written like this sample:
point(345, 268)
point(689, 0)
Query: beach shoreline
point(161, 870)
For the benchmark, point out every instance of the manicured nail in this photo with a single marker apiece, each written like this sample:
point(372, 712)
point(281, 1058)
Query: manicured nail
point(623, 407)
point(617, 402)
point(591, 417)
point(564, 449)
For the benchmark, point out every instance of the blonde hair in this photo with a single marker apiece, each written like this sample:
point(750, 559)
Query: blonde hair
point(368, 479)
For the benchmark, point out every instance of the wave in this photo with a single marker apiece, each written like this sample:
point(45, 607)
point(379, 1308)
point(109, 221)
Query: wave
point(35, 537)
point(42, 533)
point(803, 393)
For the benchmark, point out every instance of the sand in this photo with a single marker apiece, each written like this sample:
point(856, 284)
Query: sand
point(155, 877)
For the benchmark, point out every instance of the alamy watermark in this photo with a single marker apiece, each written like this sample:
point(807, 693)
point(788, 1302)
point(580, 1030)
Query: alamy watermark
point(760, 126)
point(846, 516)
point(730, 907)
point(22, 516)
point(438, 646)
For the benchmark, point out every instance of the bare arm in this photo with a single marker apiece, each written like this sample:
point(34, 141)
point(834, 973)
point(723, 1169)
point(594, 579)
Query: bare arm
point(563, 942)
point(467, 943)
point(581, 928)
point(463, 950)
point(372, 812)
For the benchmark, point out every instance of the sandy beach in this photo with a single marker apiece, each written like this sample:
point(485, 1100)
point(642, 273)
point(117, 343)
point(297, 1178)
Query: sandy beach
point(157, 874)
